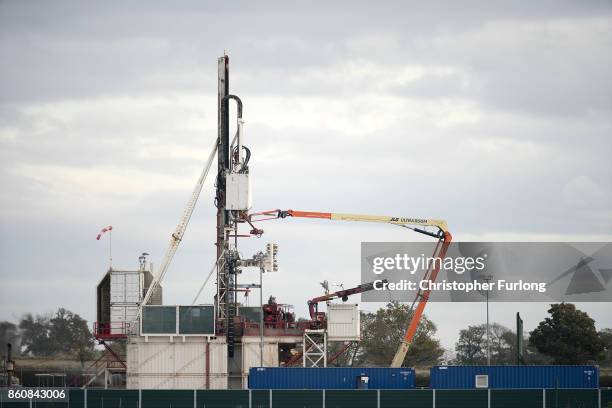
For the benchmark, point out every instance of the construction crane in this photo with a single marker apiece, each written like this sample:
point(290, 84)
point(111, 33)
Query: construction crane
point(441, 233)
point(238, 164)
point(177, 236)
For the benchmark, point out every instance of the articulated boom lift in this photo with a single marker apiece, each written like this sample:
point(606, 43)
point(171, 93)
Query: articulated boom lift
point(416, 224)
point(313, 303)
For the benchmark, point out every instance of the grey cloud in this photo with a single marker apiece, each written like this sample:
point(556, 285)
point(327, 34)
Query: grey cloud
point(118, 49)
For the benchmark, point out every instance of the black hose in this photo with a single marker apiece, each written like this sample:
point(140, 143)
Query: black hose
point(248, 155)
point(238, 102)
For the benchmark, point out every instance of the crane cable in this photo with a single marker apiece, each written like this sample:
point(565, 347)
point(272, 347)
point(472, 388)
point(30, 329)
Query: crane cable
point(220, 262)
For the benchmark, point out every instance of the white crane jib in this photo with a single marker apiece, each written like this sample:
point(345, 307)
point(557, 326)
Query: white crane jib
point(177, 236)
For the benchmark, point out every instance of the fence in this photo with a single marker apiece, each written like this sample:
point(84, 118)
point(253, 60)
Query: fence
point(425, 398)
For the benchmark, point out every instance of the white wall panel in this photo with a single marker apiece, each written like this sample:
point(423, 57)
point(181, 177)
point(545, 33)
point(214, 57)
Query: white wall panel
point(159, 363)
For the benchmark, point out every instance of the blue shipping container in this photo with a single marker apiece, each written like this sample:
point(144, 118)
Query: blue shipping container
point(464, 377)
point(330, 378)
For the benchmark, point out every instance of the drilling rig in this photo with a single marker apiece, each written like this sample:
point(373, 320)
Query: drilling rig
point(227, 338)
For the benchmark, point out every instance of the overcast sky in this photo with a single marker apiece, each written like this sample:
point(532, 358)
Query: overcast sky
point(493, 115)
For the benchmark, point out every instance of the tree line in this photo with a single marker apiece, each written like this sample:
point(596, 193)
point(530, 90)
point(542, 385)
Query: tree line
point(566, 336)
point(61, 334)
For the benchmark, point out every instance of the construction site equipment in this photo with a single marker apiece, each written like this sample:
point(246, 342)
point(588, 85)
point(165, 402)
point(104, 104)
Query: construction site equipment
point(401, 221)
point(177, 236)
point(343, 322)
point(330, 378)
point(7, 376)
point(313, 304)
point(277, 315)
point(441, 233)
point(119, 295)
point(314, 348)
point(233, 198)
point(498, 377)
point(109, 362)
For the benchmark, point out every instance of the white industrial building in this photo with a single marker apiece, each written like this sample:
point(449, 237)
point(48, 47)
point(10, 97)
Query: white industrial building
point(176, 347)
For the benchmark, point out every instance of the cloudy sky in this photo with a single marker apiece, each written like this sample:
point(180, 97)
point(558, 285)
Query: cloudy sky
point(495, 116)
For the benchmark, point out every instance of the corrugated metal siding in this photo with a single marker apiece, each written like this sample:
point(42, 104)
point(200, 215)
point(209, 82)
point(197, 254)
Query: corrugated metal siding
point(132, 287)
point(117, 313)
point(117, 288)
point(250, 355)
point(161, 364)
point(131, 313)
point(343, 322)
point(125, 287)
point(249, 352)
point(463, 377)
point(329, 378)
point(120, 314)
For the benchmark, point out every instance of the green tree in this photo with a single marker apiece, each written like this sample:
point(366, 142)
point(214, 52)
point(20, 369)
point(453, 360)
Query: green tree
point(70, 335)
point(35, 338)
point(503, 344)
point(606, 337)
point(531, 356)
point(471, 346)
point(383, 331)
point(64, 333)
point(568, 336)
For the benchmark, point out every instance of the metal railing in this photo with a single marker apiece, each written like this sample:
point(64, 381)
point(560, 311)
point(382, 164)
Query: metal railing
point(111, 330)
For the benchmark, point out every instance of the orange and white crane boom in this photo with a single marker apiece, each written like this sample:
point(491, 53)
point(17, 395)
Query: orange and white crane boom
point(416, 224)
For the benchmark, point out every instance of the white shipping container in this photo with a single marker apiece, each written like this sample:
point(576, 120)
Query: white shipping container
point(131, 312)
point(117, 323)
point(125, 287)
point(117, 313)
point(132, 287)
point(162, 364)
point(121, 317)
point(343, 322)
